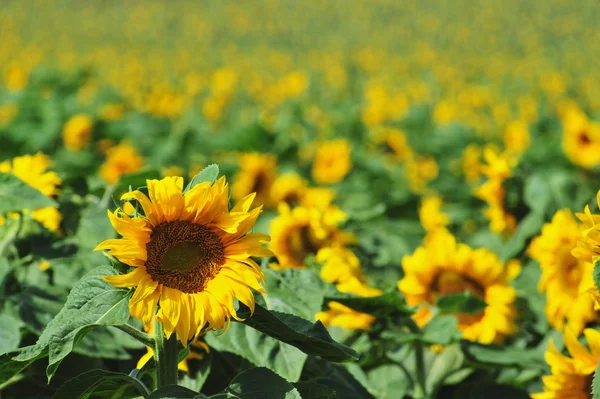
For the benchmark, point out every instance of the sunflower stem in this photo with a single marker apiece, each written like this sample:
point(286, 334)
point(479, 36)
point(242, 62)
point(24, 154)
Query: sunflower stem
point(142, 337)
point(420, 391)
point(166, 354)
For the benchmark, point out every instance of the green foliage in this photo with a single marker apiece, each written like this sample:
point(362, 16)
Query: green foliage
point(209, 174)
point(16, 195)
point(596, 384)
point(97, 382)
point(387, 304)
point(597, 274)
point(462, 302)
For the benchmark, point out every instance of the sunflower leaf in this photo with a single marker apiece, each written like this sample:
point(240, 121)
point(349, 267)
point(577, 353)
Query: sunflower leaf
point(310, 338)
point(596, 384)
point(497, 355)
point(461, 302)
point(209, 173)
point(259, 383)
point(92, 302)
point(16, 195)
point(386, 304)
point(95, 381)
point(596, 274)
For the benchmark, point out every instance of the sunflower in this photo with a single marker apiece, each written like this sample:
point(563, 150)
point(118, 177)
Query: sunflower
point(332, 161)
point(498, 168)
point(393, 142)
point(288, 188)
point(342, 316)
point(431, 215)
point(588, 243)
point(300, 231)
point(77, 132)
point(571, 375)
point(471, 163)
point(121, 159)
point(33, 170)
point(190, 254)
point(420, 170)
point(442, 267)
point(581, 139)
point(516, 137)
point(257, 174)
point(339, 264)
point(564, 277)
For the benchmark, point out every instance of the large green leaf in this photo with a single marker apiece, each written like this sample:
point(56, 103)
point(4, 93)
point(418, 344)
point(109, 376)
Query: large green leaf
point(9, 333)
point(461, 302)
point(489, 391)
point(442, 330)
point(299, 292)
point(596, 384)
point(209, 173)
point(84, 385)
point(446, 362)
point(259, 383)
point(174, 392)
point(313, 390)
point(387, 304)
point(260, 350)
point(310, 338)
point(16, 195)
point(92, 302)
point(498, 355)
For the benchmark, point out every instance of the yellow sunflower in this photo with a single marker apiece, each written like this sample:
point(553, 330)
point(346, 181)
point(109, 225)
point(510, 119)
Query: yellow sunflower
point(564, 277)
point(332, 161)
point(516, 137)
point(121, 159)
point(572, 375)
point(288, 188)
point(588, 244)
point(581, 139)
point(33, 170)
point(190, 254)
point(257, 174)
point(300, 231)
point(77, 132)
point(420, 170)
point(442, 267)
point(431, 215)
point(471, 163)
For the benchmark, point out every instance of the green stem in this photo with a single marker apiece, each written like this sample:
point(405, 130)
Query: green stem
point(144, 338)
point(166, 353)
point(420, 391)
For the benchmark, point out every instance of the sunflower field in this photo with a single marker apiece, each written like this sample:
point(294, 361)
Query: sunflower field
point(309, 199)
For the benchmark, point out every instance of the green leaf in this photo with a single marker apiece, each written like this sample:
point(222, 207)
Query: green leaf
point(446, 362)
point(209, 173)
point(16, 195)
point(313, 390)
point(259, 383)
point(462, 302)
point(9, 333)
point(596, 273)
point(498, 355)
point(596, 383)
point(387, 304)
point(295, 291)
point(310, 338)
point(173, 391)
point(260, 350)
point(92, 302)
point(133, 180)
point(489, 391)
point(388, 382)
point(442, 330)
point(87, 383)
point(10, 368)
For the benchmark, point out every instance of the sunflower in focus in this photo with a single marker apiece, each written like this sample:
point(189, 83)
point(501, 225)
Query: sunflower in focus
point(257, 174)
point(191, 255)
point(564, 277)
point(33, 170)
point(332, 161)
point(77, 132)
point(572, 375)
point(120, 159)
point(442, 267)
point(581, 139)
point(588, 243)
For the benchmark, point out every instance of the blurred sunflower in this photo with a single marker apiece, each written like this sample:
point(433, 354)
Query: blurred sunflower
point(190, 254)
point(300, 231)
point(564, 277)
point(257, 174)
point(332, 161)
point(288, 188)
point(471, 163)
point(431, 215)
point(581, 139)
point(77, 132)
point(442, 267)
point(120, 159)
point(33, 170)
point(342, 316)
point(516, 137)
point(419, 171)
point(572, 375)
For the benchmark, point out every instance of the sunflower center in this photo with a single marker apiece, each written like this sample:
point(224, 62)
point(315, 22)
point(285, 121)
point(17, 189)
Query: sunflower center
point(260, 184)
point(583, 138)
point(448, 282)
point(301, 244)
point(184, 255)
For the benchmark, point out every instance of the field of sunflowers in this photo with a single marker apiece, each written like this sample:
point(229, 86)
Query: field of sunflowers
point(299, 200)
